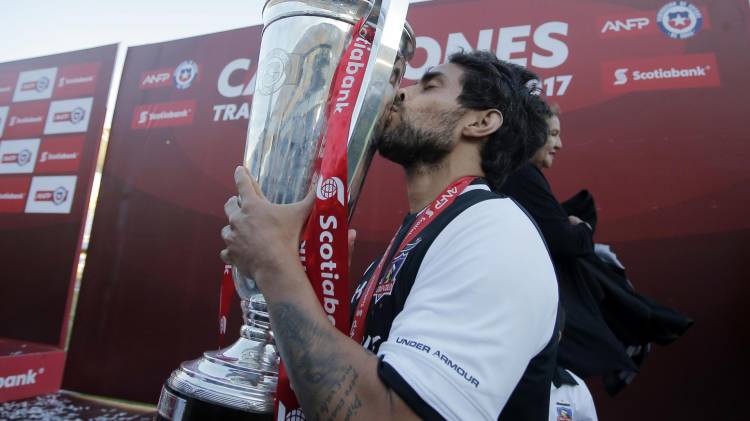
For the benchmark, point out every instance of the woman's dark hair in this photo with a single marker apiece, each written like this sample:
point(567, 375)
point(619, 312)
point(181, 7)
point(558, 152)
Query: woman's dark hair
point(491, 83)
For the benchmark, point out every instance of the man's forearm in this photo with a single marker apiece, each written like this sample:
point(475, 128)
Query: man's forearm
point(332, 376)
point(324, 380)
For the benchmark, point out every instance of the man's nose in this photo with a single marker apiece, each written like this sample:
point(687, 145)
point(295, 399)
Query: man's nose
point(400, 95)
point(559, 143)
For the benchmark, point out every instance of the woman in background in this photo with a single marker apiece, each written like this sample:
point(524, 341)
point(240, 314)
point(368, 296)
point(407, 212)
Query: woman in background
point(608, 327)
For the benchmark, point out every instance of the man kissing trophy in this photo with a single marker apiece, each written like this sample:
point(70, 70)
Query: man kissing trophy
point(328, 71)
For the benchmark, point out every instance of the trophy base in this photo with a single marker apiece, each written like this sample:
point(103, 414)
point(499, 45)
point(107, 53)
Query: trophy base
point(240, 379)
point(179, 407)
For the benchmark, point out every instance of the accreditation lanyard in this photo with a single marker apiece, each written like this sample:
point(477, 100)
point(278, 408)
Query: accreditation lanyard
point(423, 220)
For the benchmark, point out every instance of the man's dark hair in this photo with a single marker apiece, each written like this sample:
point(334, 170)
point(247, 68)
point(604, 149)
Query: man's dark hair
point(491, 83)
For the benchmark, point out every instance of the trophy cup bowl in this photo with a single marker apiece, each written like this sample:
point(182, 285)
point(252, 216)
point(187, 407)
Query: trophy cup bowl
point(302, 44)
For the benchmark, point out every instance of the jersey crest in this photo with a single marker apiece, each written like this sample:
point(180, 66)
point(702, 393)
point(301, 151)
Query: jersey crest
point(564, 413)
point(386, 284)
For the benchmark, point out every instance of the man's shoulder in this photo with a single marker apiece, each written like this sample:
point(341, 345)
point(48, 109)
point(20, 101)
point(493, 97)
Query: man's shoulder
point(498, 214)
point(498, 232)
point(495, 244)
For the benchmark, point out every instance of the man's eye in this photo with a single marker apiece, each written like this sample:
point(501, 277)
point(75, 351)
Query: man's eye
point(428, 87)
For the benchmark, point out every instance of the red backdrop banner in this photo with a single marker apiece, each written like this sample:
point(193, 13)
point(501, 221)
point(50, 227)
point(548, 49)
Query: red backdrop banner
point(652, 124)
point(150, 290)
point(51, 118)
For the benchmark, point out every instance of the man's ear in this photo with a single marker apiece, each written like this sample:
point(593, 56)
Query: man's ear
point(483, 123)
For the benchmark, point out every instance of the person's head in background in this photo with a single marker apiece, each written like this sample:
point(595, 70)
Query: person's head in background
point(545, 156)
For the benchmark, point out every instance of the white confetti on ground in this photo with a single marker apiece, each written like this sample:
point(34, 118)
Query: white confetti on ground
point(58, 407)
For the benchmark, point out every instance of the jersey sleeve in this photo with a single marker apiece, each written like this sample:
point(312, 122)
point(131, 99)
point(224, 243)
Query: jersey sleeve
point(482, 306)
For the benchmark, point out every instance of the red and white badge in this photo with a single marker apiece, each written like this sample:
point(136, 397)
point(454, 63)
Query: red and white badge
point(69, 116)
point(35, 84)
point(51, 194)
point(18, 156)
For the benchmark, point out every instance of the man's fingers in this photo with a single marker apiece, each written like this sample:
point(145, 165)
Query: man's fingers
point(226, 232)
point(352, 237)
point(231, 206)
point(307, 203)
point(244, 184)
point(256, 186)
point(225, 256)
point(302, 208)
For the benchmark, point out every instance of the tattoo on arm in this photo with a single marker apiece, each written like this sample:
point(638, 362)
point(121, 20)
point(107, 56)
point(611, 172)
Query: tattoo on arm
point(324, 384)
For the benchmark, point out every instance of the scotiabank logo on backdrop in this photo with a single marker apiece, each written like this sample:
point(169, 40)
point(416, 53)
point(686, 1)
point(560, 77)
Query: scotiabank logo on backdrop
point(69, 116)
point(76, 80)
point(13, 191)
point(661, 73)
point(166, 114)
point(25, 120)
point(181, 76)
point(60, 155)
point(35, 84)
point(18, 156)
point(51, 194)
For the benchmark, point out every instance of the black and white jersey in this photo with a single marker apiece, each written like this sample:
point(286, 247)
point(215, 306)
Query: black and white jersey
point(466, 330)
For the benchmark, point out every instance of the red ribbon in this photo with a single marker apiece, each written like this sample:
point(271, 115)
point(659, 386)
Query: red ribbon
point(324, 250)
point(226, 292)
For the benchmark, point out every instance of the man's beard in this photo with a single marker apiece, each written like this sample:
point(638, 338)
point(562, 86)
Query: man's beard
point(411, 147)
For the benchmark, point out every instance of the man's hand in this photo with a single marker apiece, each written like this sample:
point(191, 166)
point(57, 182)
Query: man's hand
point(576, 220)
point(332, 375)
point(261, 237)
point(351, 237)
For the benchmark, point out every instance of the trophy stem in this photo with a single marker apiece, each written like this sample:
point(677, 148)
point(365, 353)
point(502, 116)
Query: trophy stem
point(257, 324)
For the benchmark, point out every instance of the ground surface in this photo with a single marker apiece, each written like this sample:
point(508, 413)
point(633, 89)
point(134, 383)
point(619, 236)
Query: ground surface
point(71, 406)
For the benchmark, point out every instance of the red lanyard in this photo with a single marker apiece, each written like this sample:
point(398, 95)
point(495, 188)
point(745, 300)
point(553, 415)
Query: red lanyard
point(424, 218)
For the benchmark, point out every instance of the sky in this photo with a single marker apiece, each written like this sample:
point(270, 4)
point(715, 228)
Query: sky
point(42, 27)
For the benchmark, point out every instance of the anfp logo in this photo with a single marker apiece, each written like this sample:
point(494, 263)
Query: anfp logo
point(21, 158)
point(330, 187)
point(38, 85)
point(627, 25)
point(57, 196)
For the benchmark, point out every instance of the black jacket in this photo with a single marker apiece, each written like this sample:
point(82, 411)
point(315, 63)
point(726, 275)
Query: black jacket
point(608, 325)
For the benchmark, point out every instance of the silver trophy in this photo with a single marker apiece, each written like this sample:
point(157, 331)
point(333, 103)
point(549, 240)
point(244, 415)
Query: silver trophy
point(302, 43)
